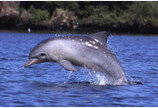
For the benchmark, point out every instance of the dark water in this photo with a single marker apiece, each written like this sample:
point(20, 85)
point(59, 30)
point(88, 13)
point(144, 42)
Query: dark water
point(50, 85)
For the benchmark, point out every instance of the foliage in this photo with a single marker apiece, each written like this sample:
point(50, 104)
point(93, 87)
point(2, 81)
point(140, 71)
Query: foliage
point(143, 13)
point(38, 15)
point(134, 16)
point(62, 18)
point(0, 7)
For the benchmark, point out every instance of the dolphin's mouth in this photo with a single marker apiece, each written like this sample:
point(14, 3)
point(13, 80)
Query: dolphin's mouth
point(31, 62)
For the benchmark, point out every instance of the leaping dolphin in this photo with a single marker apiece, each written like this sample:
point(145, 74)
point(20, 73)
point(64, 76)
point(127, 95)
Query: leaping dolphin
point(85, 51)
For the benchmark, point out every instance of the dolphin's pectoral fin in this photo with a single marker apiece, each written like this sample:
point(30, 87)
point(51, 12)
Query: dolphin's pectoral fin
point(67, 65)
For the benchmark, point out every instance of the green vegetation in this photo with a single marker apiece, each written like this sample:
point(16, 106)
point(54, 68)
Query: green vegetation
point(38, 15)
point(62, 18)
point(123, 16)
point(0, 7)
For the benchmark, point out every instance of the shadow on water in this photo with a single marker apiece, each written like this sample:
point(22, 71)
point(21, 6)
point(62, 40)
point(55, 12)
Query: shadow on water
point(135, 83)
point(59, 86)
point(73, 85)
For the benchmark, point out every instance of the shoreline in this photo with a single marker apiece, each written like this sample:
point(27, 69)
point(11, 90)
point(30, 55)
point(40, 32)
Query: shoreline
point(70, 31)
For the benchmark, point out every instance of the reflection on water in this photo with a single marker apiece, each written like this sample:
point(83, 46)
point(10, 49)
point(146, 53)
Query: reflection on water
point(49, 85)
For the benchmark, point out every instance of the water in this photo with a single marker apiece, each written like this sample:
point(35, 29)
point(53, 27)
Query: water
point(49, 85)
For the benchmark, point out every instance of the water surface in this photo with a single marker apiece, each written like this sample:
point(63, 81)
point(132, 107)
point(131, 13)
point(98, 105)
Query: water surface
point(49, 85)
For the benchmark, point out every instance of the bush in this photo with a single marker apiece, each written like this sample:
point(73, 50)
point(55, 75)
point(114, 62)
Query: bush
point(102, 16)
point(38, 15)
point(63, 17)
point(0, 7)
point(142, 13)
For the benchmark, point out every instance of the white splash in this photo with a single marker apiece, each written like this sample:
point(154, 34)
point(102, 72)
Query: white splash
point(100, 79)
point(95, 78)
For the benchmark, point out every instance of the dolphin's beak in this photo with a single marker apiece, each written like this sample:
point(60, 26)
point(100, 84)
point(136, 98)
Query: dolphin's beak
point(31, 62)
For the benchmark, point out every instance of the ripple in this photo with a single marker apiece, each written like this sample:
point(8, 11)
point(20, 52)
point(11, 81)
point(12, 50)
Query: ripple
point(3, 59)
point(80, 83)
point(19, 102)
point(135, 83)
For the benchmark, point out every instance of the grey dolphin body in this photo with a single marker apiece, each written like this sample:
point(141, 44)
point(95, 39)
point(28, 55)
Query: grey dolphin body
point(85, 51)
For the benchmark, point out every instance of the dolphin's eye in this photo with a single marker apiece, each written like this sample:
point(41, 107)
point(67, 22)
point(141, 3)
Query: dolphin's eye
point(42, 54)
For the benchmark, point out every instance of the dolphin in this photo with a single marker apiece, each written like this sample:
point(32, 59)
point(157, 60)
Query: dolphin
point(89, 52)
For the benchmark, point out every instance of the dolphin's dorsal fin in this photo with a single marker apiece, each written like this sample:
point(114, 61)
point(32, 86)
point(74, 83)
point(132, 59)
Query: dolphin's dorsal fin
point(101, 37)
